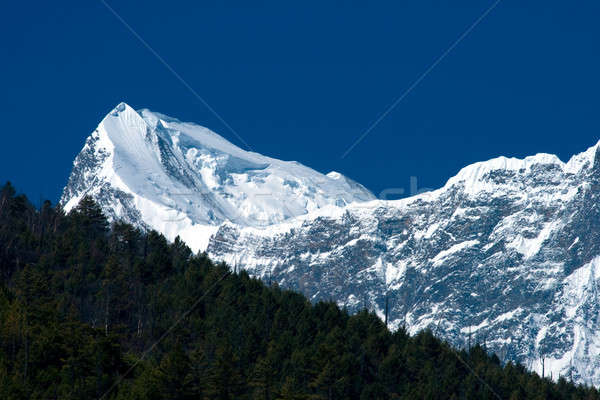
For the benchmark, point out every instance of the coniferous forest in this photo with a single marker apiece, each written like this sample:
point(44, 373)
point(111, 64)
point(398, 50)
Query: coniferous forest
point(92, 310)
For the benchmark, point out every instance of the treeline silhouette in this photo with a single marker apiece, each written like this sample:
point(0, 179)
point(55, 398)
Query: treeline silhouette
point(92, 310)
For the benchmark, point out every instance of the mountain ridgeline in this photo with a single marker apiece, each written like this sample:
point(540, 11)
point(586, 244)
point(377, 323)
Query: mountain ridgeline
point(507, 251)
point(90, 309)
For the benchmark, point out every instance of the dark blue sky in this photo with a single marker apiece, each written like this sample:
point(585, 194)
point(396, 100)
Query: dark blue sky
point(303, 83)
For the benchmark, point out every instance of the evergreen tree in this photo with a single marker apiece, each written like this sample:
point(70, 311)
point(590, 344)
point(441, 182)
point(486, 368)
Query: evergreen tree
point(89, 218)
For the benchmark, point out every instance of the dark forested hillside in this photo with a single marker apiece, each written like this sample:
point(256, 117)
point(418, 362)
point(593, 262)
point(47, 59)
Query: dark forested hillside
point(89, 310)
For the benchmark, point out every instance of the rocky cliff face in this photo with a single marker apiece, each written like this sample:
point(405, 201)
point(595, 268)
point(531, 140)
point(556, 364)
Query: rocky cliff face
point(506, 253)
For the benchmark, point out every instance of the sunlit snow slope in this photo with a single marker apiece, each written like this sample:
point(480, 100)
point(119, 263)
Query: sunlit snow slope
point(182, 179)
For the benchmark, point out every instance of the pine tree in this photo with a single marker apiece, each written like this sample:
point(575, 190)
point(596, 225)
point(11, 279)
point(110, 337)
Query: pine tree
point(289, 390)
point(173, 375)
point(90, 218)
point(224, 381)
point(263, 378)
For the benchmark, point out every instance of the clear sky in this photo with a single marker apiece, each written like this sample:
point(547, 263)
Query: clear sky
point(305, 82)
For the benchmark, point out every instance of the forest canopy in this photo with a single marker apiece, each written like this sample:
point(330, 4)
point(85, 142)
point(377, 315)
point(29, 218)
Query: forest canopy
point(90, 309)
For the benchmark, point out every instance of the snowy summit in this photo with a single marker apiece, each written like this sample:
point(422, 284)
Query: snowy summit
point(183, 179)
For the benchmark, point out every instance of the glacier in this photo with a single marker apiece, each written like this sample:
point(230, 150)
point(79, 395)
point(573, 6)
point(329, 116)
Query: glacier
point(506, 253)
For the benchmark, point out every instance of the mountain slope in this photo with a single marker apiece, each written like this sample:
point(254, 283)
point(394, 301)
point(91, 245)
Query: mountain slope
point(505, 253)
point(182, 179)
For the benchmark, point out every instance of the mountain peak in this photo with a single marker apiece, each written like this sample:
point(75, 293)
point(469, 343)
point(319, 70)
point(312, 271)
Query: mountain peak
point(475, 176)
point(587, 159)
point(183, 179)
point(482, 176)
point(120, 108)
point(335, 175)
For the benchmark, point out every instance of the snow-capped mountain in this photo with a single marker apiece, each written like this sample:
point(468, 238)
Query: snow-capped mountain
point(506, 253)
point(182, 179)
